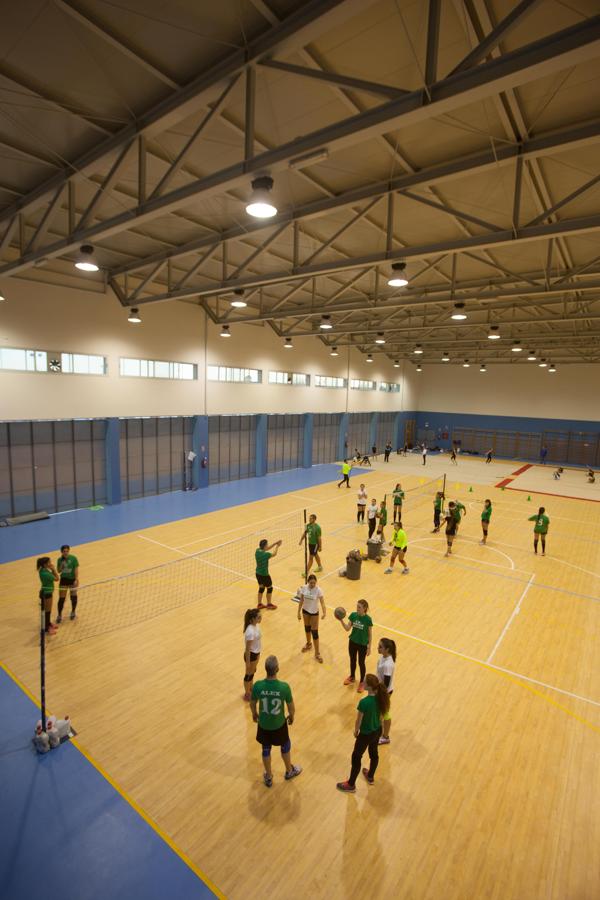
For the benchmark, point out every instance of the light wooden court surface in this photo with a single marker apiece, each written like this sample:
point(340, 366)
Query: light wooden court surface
point(491, 785)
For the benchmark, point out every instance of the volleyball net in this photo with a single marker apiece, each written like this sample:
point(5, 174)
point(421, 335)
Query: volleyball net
point(125, 600)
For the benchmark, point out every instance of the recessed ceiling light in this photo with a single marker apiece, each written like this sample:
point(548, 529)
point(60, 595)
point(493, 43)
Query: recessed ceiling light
point(288, 344)
point(397, 278)
point(325, 323)
point(493, 333)
point(86, 261)
point(532, 357)
point(516, 347)
point(418, 349)
point(552, 368)
point(225, 331)
point(458, 313)
point(466, 364)
point(334, 352)
point(260, 205)
point(380, 338)
point(134, 316)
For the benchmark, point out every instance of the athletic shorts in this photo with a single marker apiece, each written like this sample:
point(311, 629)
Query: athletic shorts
point(273, 737)
point(44, 596)
point(313, 549)
point(398, 550)
point(307, 615)
point(264, 580)
point(66, 582)
point(253, 656)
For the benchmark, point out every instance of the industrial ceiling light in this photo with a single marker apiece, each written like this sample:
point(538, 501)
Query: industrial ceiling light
point(482, 368)
point(334, 352)
point(288, 344)
point(532, 357)
point(516, 347)
point(552, 368)
point(542, 363)
point(325, 323)
point(86, 261)
point(466, 364)
point(493, 333)
point(458, 314)
point(418, 349)
point(239, 302)
point(2, 297)
point(445, 357)
point(260, 204)
point(134, 316)
point(398, 279)
point(396, 363)
point(369, 358)
point(380, 338)
point(419, 369)
point(225, 331)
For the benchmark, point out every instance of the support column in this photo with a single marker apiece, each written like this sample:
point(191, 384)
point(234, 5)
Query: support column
point(307, 454)
point(343, 450)
point(261, 445)
point(398, 431)
point(200, 448)
point(112, 458)
point(373, 432)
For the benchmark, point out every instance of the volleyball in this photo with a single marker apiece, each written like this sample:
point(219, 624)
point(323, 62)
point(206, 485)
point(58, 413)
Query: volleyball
point(340, 613)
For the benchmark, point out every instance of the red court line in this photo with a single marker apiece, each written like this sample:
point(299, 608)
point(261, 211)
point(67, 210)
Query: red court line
point(550, 494)
point(503, 483)
point(523, 469)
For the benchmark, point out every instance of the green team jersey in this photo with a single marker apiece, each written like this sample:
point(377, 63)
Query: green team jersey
point(383, 516)
point(459, 509)
point(66, 567)
point(271, 696)
point(541, 524)
point(399, 539)
point(486, 514)
point(398, 497)
point(371, 719)
point(262, 558)
point(437, 503)
point(313, 533)
point(47, 579)
point(360, 628)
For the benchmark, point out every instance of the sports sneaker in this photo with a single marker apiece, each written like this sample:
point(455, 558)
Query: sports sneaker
point(368, 777)
point(383, 740)
point(349, 680)
point(360, 688)
point(388, 571)
point(268, 780)
point(271, 606)
point(58, 620)
point(346, 787)
point(51, 629)
point(295, 770)
point(405, 571)
point(260, 605)
point(73, 616)
point(319, 569)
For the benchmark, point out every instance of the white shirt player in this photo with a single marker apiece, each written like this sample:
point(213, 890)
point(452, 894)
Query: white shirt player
point(252, 634)
point(386, 666)
point(362, 498)
point(372, 511)
point(311, 598)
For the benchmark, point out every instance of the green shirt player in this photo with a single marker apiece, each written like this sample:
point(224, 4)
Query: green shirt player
point(540, 529)
point(458, 511)
point(312, 533)
point(437, 511)
point(269, 700)
point(346, 468)
point(262, 555)
point(382, 516)
point(367, 731)
point(398, 495)
point(48, 575)
point(399, 546)
point(486, 515)
point(360, 626)
point(68, 569)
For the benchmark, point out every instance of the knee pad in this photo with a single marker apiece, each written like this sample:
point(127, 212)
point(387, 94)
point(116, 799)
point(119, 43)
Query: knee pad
point(285, 748)
point(307, 629)
point(261, 589)
point(315, 634)
point(269, 591)
point(266, 751)
point(248, 677)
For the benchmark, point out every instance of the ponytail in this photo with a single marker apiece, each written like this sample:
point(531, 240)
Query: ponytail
point(390, 646)
point(380, 691)
point(42, 561)
point(249, 615)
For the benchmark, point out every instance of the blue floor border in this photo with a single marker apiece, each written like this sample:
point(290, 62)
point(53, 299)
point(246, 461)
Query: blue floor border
point(82, 525)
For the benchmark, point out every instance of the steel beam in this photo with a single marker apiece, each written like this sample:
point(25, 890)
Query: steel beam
point(576, 193)
point(491, 41)
point(346, 81)
point(433, 39)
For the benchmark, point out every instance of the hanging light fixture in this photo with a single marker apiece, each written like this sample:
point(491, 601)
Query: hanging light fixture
point(134, 316)
point(261, 204)
point(419, 369)
point(458, 314)
point(239, 302)
point(225, 331)
point(397, 279)
point(369, 358)
point(288, 344)
point(482, 368)
point(334, 351)
point(552, 368)
point(543, 364)
point(418, 349)
point(380, 338)
point(532, 357)
point(493, 333)
point(396, 363)
point(445, 357)
point(86, 261)
point(2, 297)
point(516, 347)
point(325, 323)
point(466, 364)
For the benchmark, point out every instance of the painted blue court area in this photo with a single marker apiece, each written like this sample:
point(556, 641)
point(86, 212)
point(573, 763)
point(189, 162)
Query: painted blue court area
point(66, 833)
point(83, 525)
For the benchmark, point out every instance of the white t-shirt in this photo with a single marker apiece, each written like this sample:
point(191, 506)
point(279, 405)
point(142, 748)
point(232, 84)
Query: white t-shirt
point(311, 597)
point(372, 511)
point(424, 451)
point(252, 634)
point(362, 498)
point(386, 666)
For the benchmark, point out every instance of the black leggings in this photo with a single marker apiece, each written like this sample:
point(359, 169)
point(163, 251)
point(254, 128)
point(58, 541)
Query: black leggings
point(365, 742)
point(359, 650)
point(345, 480)
point(372, 525)
point(360, 514)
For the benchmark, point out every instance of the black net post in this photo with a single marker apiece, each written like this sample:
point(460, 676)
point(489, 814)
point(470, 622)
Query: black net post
point(42, 663)
point(444, 487)
point(305, 546)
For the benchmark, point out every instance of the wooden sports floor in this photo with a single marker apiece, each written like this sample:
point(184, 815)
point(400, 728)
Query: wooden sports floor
point(490, 787)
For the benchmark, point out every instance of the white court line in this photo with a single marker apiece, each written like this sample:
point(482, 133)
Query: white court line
point(514, 613)
point(411, 637)
point(480, 562)
point(473, 541)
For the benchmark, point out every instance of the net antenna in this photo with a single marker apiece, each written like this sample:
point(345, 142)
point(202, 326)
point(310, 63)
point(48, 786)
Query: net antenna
point(305, 547)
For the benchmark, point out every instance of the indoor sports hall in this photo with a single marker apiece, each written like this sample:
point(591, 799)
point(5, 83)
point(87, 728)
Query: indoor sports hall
point(294, 290)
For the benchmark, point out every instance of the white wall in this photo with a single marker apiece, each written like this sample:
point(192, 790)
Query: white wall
point(572, 392)
point(59, 319)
